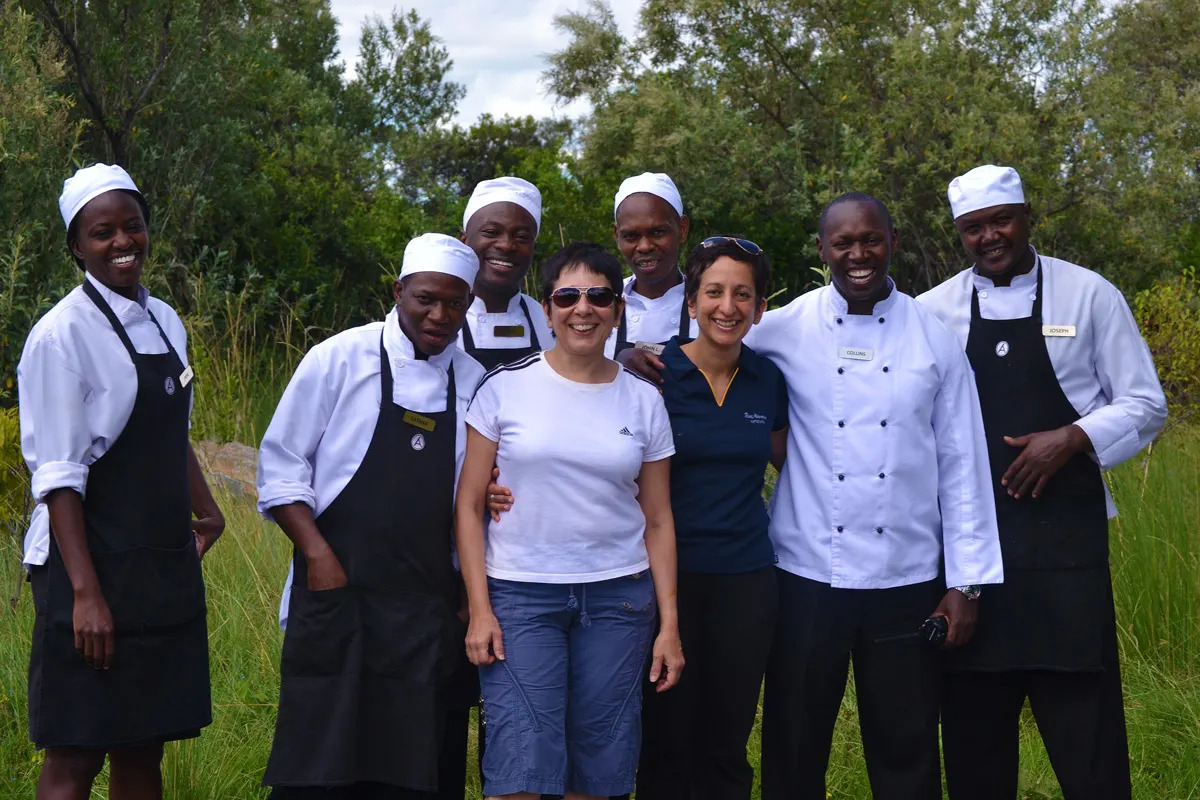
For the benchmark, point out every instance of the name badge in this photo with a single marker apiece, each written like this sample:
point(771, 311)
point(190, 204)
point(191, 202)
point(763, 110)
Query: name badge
point(857, 353)
point(1058, 330)
point(186, 376)
point(419, 421)
point(508, 331)
point(650, 347)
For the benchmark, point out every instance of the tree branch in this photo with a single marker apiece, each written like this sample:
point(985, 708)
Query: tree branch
point(85, 87)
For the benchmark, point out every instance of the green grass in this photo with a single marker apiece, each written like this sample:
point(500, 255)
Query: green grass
point(1156, 572)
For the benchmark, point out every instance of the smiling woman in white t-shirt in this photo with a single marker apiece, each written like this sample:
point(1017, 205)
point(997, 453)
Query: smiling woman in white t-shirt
point(563, 601)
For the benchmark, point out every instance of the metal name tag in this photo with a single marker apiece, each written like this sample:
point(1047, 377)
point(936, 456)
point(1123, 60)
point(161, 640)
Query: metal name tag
point(857, 353)
point(186, 376)
point(508, 331)
point(1058, 330)
point(650, 347)
point(420, 421)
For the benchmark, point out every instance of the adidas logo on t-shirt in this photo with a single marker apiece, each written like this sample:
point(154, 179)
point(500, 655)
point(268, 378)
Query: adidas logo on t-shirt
point(625, 432)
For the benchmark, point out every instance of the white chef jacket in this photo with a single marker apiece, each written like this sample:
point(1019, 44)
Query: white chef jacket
point(649, 320)
point(885, 427)
point(483, 323)
point(76, 386)
point(1105, 369)
point(326, 418)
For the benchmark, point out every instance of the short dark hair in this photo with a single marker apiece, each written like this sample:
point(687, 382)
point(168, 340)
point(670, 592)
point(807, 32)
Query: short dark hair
point(73, 228)
point(701, 258)
point(581, 254)
point(854, 197)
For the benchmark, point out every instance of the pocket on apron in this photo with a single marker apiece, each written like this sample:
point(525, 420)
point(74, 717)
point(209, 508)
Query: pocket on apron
point(150, 588)
point(322, 628)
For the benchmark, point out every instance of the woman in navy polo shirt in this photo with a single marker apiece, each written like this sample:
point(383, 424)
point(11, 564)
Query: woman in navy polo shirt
point(728, 410)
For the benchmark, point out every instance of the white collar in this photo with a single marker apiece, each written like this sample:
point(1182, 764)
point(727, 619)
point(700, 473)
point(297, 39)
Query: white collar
point(838, 305)
point(478, 307)
point(629, 291)
point(400, 348)
point(122, 306)
point(1029, 279)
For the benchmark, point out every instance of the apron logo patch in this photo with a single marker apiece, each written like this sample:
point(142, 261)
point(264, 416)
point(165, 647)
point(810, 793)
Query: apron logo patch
point(169, 385)
point(1002, 349)
point(418, 441)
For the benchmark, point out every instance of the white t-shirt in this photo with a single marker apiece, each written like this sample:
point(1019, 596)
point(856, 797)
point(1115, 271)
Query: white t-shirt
point(571, 453)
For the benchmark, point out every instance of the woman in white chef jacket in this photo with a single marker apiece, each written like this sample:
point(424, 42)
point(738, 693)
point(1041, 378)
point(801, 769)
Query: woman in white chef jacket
point(120, 647)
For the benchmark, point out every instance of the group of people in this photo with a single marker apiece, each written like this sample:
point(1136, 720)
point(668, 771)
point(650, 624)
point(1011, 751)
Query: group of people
point(552, 507)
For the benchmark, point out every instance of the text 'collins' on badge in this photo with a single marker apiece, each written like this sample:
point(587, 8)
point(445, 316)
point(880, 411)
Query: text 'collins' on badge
point(857, 353)
point(1058, 330)
point(419, 421)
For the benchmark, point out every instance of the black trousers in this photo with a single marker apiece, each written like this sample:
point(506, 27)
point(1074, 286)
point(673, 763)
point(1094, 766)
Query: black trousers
point(694, 736)
point(356, 791)
point(896, 682)
point(1080, 716)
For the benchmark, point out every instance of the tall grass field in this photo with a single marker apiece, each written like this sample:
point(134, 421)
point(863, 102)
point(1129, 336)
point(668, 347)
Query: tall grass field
point(1156, 573)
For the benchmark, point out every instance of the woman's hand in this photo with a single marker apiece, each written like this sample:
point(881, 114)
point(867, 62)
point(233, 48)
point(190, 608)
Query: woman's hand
point(499, 498)
point(668, 662)
point(207, 527)
point(325, 571)
point(94, 630)
point(485, 641)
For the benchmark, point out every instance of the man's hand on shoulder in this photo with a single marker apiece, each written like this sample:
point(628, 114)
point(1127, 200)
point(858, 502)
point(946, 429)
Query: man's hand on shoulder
point(643, 362)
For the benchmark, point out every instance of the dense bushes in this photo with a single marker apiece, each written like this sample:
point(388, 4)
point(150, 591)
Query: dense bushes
point(1169, 316)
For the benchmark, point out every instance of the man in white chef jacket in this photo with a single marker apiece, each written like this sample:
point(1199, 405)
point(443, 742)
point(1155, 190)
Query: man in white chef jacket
point(1068, 389)
point(886, 478)
point(358, 468)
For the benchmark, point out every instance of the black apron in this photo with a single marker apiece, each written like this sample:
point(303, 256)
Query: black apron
point(363, 665)
point(685, 329)
point(491, 358)
point(137, 515)
point(1055, 608)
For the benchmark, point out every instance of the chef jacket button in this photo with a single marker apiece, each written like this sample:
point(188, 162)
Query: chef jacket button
point(840, 370)
point(983, 295)
point(885, 369)
point(879, 530)
point(839, 528)
point(1033, 297)
point(482, 318)
point(841, 476)
point(883, 423)
point(881, 476)
point(841, 423)
point(637, 317)
point(839, 320)
point(881, 320)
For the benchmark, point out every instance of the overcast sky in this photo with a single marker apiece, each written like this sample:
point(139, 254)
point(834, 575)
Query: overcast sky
point(498, 48)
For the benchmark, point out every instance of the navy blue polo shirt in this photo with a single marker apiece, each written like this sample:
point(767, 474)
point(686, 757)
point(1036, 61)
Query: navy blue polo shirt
point(721, 454)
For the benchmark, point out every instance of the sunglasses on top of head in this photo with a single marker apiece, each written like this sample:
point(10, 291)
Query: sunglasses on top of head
point(598, 296)
point(745, 244)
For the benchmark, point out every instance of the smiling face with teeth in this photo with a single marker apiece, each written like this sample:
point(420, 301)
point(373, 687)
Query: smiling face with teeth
point(856, 241)
point(649, 234)
point(502, 235)
point(111, 241)
point(582, 330)
point(997, 238)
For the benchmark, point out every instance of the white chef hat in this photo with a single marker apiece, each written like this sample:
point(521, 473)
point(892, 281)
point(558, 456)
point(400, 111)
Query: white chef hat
point(658, 184)
point(506, 190)
point(984, 187)
point(436, 252)
point(88, 183)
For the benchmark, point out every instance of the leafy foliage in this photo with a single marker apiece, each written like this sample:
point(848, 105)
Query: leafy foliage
point(1169, 316)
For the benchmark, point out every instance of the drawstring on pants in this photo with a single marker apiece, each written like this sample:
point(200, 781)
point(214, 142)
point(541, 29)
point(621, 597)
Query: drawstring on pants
point(573, 603)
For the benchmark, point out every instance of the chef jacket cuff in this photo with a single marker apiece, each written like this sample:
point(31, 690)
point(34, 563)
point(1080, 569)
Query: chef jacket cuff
point(1113, 435)
point(58, 475)
point(282, 493)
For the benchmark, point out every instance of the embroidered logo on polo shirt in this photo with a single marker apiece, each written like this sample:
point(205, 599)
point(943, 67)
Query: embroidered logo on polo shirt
point(1002, 349)
point(418, 441)
point(754, 419)
point(625, 432)
point(169, 385)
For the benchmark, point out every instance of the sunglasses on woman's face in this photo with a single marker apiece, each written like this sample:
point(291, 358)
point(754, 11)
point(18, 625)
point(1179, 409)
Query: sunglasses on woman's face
point(598, 296)
point(746, 245)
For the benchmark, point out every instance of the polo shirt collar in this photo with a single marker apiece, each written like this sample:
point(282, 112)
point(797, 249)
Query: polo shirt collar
point(677, 361)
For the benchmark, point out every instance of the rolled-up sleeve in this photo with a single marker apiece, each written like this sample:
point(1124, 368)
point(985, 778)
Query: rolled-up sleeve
point(55, 440)
point(1137, 407)
point(288, 450)
point(970, 535)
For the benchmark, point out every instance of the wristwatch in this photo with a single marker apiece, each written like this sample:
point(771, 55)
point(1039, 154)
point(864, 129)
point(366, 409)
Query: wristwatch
point(971, 592)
